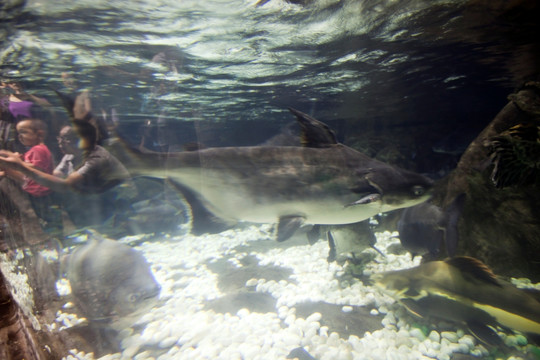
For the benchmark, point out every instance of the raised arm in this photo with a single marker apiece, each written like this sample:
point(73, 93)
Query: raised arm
point(11, 160)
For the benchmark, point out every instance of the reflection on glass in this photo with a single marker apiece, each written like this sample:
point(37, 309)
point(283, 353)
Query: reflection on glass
point(269, 179)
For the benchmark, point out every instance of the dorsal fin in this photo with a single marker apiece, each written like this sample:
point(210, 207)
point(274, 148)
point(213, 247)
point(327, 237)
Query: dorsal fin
point(67, 102)
point(314, 133)
point(474, 267)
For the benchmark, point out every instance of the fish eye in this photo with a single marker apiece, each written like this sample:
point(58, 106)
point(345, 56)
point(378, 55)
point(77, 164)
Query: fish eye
point(418, 190)
point(133, 298)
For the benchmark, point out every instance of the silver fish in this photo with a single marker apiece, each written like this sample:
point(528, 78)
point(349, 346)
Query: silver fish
point(111, 283)
point(321, 182)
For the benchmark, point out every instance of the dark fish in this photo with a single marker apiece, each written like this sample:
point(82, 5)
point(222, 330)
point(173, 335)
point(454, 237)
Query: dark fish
point(421, 229)
point(345, 241)
point(111, 283)
point(321, 183)
point(464, 290)
point(424, 228)
point(301, 354)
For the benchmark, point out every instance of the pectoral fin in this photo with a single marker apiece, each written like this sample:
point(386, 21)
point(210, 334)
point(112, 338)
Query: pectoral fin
point(314, 234)
point(203, 220)
point(332, 245)
point(414, 308)
point(288, 225)
point(484, 333)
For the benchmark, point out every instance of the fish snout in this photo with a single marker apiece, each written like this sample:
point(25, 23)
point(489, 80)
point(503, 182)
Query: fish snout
point(145, 294)
point(153, 292)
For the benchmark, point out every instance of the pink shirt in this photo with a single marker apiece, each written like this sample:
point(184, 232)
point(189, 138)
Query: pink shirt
point(41, 158)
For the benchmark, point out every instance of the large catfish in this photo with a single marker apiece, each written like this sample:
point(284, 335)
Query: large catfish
point(320, 182)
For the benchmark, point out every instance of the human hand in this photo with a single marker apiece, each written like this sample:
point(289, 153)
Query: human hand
point(10, 160)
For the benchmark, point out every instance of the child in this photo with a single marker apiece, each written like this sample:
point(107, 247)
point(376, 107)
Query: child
point(32, 133)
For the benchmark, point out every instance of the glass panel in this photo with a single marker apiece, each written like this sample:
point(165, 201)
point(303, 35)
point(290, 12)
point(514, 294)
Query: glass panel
point(269, 179)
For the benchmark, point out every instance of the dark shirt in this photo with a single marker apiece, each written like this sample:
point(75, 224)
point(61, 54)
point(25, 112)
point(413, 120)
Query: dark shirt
point(101, 171)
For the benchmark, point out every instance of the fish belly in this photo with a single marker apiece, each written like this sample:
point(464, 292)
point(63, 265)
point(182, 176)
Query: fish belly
point(239, 199)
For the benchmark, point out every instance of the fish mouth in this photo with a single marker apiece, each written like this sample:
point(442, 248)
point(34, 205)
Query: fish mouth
point(366, 199)
point(152, 294)
point(369, 192)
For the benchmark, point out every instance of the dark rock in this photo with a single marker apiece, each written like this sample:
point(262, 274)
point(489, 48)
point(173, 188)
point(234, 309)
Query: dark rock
point(499, 226)
point(356, 322)
point(251, 300)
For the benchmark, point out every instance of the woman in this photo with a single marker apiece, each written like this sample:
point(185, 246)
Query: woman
point(16, 105)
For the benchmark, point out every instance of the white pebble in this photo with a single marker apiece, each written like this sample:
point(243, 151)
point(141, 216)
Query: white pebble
point(130, 351)
point(458, 348)
point(467, 340)
point(482, 350)
point(242, 313)
point(432, 353)
point(292, 340)
point(167, 342)
point(251, 282)
point(333, 339)
point(68, 305)
point(450, 336)
point(248, 351)
point(314, 317)
point(323, 331)
point(510, 340)
point(443, 356)
point(347, 309)
point(145, 355)
point(434, 336)
point(330, 354)
point(422, 348)
point(417, 333)
point(374, 312)
point(289, 319)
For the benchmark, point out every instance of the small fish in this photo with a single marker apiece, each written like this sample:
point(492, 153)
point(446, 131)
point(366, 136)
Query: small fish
point(424, 228)
point(111, 283)
point(464, 290)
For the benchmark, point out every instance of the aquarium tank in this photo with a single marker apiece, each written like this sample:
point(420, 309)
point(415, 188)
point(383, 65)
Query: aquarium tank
point(269, 179)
